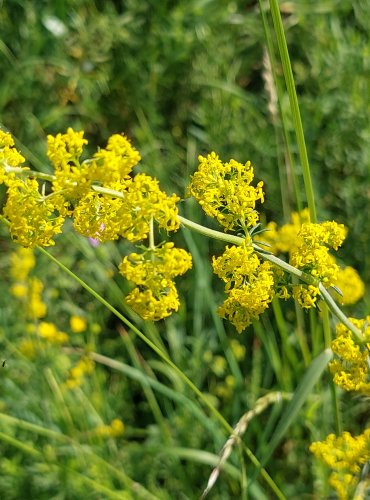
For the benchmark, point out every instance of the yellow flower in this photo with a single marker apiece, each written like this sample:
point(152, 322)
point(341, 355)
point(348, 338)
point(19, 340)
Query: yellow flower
point(224, 191)
point(155, 296)
point(249, 285)
point(350, 284)
point(77, 324)
point(19, 290)
point(219, 365)
point(64, 152)
point(35, 308)
point(85, 366)
point(9, 157)
point(50, 332)
point(22, 261)
point(311, 255)
point(350, 367)
point(34, 219)
point(238, 349)
point(106, 217)
point(114, 163)
point(345, 455)
point(115, 429)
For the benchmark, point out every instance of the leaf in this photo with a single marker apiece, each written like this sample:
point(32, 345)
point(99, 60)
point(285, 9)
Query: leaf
point(300, 395)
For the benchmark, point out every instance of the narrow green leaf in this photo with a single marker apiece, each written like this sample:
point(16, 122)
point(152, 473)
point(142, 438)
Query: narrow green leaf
point(303, 390)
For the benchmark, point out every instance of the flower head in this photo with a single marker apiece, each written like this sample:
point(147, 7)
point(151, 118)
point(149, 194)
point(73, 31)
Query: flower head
point(344, 454)
point(114, 164)
point(9, 156)
point(249, 285)
point(350, 367)
point(155, 295)
point(34, 219)
point(224, 191)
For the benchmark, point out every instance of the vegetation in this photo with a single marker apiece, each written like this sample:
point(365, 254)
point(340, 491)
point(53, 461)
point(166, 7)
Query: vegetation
point(120, 378)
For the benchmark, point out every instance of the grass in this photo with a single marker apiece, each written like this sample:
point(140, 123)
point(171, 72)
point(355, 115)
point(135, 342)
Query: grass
point(195, 82)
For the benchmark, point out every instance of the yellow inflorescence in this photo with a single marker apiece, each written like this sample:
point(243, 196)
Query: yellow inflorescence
point(50, 332)
point(26, 288)
point(9, 157)
point(34, 220)
point(308, 246)
point(107, 202)
point(115, 429)
point(77, 324)
point(224, 191)
point(114, 163)
point(155, 295)
point(85, 366)
point(249, 285)
point(350, 284)
point(345, 455)
point(350, 368)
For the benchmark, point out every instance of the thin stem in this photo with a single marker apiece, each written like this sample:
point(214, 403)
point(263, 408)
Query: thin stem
point(339, 314)
point(296, 115)
point(151, 234)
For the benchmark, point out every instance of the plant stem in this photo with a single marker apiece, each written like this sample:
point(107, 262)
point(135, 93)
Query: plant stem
point(297, 121)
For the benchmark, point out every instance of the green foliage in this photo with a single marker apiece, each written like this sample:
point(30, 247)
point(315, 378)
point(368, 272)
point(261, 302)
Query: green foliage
point(180, 78)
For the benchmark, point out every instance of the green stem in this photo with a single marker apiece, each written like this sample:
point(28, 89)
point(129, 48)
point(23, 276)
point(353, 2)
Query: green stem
point(297, 121)
point(339, 314)
point(291, 170)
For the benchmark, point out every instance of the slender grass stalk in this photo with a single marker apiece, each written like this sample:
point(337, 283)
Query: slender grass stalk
point(296, 115)
point(281, 325)
point(240, 428)
point(291, 172)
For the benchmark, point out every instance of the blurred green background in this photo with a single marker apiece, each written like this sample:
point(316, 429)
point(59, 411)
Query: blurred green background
point(179, 78)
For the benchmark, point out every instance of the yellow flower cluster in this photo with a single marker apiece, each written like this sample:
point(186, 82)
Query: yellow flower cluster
point(155, 295)
point(284, 239)
point(107, 217)
point(350, 284)
point(249, 285)
point(115, 429)
point(34, 219)
point(345, 455)
point(105, 200)
point(26, 288)
point(311, 255)
point(50, 332)
point(115, 163)
point(77, 324)
point(9, 157)
point(85, 366)
point(71, 177)
point(224, 191)
point(309, 245)
point(350, 369)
